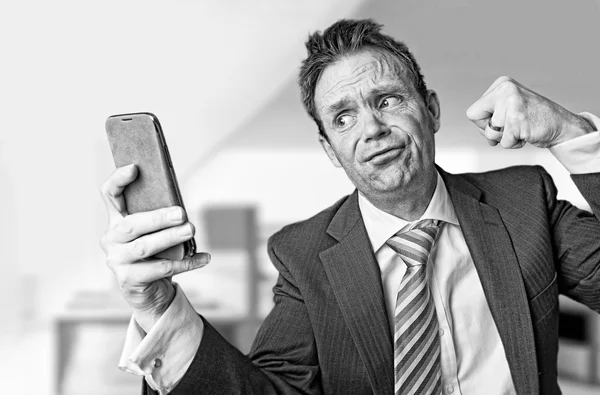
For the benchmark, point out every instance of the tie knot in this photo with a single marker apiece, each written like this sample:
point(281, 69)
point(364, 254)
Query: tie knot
point(415, 245)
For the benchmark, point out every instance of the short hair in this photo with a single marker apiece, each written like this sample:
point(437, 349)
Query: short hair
point(346, 37)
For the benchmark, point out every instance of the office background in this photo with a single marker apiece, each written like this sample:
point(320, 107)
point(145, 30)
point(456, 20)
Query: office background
point(221, 76)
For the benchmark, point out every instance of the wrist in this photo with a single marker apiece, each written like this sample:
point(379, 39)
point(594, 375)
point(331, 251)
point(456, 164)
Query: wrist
point(577, 126)
point(149, 316)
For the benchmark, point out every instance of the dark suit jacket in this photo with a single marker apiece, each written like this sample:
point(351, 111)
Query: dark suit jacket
point(328, 331)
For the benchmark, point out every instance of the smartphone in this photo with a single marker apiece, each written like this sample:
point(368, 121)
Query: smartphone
point(138, 138)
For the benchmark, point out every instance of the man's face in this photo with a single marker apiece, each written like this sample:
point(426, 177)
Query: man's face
point(380, 130)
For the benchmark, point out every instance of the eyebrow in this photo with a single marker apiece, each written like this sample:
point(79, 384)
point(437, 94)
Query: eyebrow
point(391, 87)
point(338, 105)
point(345, 102)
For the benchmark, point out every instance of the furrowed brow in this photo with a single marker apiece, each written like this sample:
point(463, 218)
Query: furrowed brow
point(388, 88)
point(337, 106)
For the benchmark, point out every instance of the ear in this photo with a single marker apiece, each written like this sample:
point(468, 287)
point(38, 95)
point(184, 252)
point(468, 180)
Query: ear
point(329, 151)
point(433, 106)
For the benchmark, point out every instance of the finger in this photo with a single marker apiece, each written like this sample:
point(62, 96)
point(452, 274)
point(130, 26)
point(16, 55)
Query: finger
point(135, 225)
point(491, 139)
point(520, 144)
point(480, 111)
point(112, 189)
point(147, 272)
point(511, 137)
point(492, 136)
point(153, 243)
point(508, 139)
point(496, 121)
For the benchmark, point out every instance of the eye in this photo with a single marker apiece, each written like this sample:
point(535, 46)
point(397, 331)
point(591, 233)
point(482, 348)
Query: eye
point(343, 120)
point(389, 101)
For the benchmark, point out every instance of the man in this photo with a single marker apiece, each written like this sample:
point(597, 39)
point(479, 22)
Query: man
point(417, 283)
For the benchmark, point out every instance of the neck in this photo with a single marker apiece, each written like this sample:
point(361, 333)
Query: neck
point(408, 204)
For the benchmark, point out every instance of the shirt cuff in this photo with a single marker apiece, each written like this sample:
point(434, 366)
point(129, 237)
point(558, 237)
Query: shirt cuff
point(164, 354)
point(581, 155)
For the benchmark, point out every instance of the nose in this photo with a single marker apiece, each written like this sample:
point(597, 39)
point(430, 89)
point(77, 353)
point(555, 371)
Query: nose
point(374, 127)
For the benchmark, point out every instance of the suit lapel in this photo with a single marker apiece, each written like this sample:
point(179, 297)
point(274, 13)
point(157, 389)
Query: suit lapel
point(497, 266)
point(354, 275)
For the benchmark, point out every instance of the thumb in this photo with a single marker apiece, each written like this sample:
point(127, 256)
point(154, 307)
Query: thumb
point(151, 271)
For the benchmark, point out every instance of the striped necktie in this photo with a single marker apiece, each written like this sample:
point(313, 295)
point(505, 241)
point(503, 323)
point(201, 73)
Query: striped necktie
point(417, 367)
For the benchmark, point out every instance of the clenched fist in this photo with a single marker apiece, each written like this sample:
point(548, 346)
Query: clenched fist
point(512, 115)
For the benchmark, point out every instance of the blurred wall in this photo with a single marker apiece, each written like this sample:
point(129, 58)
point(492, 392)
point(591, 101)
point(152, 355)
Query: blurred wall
point(202, 66)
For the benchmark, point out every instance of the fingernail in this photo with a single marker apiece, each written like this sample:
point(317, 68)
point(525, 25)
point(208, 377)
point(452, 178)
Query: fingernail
point(203, 262)
point(175, 214)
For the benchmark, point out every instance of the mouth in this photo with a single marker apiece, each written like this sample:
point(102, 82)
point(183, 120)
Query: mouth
point(384, 156)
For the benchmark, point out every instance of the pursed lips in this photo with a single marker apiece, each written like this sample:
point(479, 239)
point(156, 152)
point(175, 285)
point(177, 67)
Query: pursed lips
point(384, 151)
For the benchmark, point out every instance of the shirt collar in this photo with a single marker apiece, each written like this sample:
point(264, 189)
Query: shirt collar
point(381, 225)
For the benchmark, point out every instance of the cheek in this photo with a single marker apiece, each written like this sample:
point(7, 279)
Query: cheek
point(349, 144)
point(406, 118)
point(340, 152)
point(419, 127)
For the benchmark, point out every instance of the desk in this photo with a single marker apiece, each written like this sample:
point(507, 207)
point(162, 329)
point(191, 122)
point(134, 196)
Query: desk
point(109, 309)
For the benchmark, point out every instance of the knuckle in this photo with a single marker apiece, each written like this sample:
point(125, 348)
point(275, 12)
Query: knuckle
point(166, 268)
point(503, 79)
point(126, 225)
point(513, 100)
point(114, 227)
point(511, 90)
point(139, 249)
point(515, 117)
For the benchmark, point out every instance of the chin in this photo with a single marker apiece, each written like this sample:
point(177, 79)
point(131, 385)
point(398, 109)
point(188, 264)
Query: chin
point(388, 185)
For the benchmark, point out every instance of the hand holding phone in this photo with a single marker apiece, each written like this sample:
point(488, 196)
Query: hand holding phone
point(133, 240)
point(138, 139)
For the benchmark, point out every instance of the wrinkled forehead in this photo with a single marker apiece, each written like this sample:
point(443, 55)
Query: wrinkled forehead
point(362, 70)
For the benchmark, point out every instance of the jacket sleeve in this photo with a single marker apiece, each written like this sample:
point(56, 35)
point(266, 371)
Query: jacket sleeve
point(283, 358)
point(576, 240)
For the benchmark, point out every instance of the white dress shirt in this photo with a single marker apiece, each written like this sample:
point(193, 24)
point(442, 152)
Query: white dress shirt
point(472, 355)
